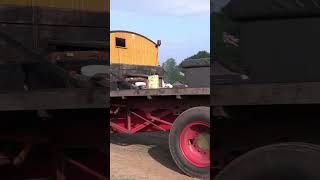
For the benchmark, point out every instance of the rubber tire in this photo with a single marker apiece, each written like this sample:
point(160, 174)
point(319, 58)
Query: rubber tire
point(188, 116)
point(292, 161)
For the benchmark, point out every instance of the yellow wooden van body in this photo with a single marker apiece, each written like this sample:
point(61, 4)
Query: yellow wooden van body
point(138, 50)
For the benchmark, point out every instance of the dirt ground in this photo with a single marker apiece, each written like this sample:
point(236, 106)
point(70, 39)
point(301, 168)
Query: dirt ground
point(142, 156)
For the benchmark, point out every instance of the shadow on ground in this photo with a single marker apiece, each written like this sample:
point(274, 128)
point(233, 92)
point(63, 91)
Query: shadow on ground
point(157, 142)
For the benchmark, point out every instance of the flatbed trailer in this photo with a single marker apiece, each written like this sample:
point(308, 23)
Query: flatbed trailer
point(269, 128)
point(182, 111)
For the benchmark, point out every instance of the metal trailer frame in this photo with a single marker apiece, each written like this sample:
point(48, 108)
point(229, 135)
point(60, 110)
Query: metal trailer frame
point(149, 110)
point(140, 104)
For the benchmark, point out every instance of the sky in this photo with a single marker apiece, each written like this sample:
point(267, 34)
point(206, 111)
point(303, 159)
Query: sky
point(183, 26)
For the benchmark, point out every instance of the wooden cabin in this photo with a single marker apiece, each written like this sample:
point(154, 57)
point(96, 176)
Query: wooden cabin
point(131, 48)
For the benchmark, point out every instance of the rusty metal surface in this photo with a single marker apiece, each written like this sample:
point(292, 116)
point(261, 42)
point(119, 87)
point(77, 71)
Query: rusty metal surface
point(266, 94)
point(161, 92)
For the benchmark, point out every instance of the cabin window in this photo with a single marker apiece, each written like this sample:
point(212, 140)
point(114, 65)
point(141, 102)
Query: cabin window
point(120, 42)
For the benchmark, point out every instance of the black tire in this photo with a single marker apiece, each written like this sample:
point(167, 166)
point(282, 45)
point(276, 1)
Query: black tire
point(189, 116)
point(292, 161)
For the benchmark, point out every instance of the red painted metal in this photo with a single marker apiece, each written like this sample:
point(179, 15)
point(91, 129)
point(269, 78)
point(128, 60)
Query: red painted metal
point(149, 121)
point(188, 144)
point(131, 121)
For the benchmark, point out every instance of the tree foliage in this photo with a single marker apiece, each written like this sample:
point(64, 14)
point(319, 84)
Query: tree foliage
point(172, 71)
point(200, 54)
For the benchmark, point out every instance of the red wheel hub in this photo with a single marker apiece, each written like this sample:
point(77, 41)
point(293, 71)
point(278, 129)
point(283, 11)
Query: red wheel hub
point(195, 143)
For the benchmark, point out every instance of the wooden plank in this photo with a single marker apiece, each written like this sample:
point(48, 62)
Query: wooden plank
point(79, 98)
point(160, 92)
point(266, 94)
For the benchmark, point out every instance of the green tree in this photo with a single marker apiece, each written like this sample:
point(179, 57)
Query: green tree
point(172, 71)
point(200, 54)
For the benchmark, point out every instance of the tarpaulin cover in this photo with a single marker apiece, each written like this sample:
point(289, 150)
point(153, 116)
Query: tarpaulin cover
point(248, 9)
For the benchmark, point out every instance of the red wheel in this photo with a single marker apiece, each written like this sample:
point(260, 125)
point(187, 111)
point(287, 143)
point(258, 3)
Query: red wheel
point(195, 143)
point(189, 142)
